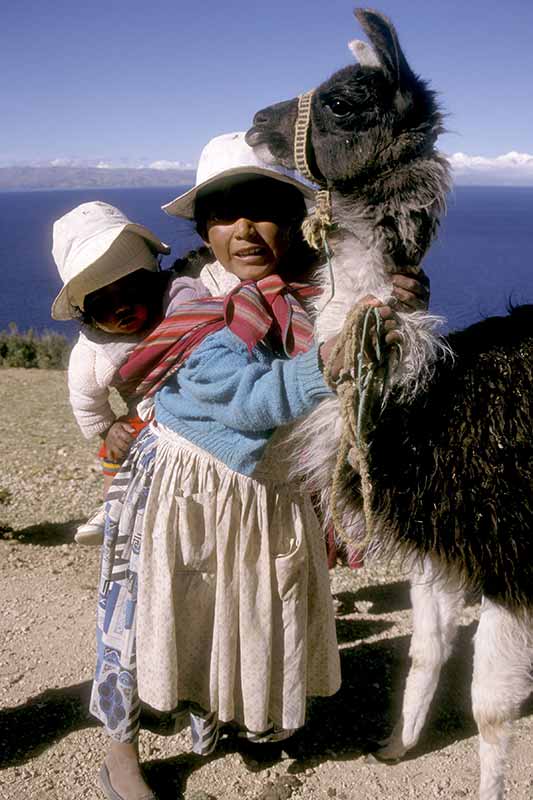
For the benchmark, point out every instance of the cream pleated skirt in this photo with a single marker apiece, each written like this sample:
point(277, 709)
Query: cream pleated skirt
point(234, 610)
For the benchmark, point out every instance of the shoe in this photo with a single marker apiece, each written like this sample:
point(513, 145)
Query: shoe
point(92, 531)
point(110, 793)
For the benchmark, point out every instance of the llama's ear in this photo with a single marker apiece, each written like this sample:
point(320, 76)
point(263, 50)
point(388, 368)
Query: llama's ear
point(384, 39)
point(364, 54)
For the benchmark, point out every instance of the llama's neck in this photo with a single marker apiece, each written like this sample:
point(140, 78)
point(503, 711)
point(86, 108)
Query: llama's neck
point(380, 229)
point(362, 263)
point(358, 267)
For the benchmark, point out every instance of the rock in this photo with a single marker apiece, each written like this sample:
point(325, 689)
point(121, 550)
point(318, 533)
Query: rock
point(280, 789)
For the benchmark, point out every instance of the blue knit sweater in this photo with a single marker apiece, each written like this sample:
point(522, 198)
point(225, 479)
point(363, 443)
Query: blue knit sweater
point(229, 401)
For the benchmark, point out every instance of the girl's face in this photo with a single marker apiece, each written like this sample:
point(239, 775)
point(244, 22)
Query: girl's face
point(248, 226)
point(250, 249)
point(126, 306)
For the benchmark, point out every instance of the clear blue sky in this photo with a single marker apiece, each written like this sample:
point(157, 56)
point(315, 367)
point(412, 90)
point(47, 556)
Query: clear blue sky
point(156, 79)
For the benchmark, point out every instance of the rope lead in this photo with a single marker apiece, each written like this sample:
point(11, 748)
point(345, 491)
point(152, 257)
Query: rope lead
point(360, 383)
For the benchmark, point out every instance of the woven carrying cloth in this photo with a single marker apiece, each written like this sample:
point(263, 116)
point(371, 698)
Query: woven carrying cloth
point(269, 310)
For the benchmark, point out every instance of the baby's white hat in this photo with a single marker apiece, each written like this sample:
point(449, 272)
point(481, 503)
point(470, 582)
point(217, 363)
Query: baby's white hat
point(226, 156)
point(94, 245)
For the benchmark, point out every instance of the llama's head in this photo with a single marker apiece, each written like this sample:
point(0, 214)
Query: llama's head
point(367, 122)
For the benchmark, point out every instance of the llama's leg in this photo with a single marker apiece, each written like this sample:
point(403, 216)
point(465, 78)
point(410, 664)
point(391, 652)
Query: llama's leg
point(436, 610)
point(502, 681)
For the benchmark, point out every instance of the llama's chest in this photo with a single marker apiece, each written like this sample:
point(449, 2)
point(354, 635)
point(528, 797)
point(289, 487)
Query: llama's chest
point(354, 272)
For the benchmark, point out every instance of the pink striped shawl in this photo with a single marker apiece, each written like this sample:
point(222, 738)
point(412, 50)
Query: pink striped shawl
point(269, 309)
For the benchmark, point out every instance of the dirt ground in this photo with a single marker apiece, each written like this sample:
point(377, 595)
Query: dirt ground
point(51, 749)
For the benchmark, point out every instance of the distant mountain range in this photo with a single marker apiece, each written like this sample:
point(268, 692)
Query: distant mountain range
point(510, 169)
point(81, 177)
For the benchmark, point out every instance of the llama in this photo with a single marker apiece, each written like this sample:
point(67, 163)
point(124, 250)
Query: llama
point(450, 458)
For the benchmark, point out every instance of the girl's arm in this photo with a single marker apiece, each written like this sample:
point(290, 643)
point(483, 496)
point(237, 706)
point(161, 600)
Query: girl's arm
point(221, 381)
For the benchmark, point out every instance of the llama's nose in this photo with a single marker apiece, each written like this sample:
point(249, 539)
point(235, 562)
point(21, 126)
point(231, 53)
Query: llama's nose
point(261, 117)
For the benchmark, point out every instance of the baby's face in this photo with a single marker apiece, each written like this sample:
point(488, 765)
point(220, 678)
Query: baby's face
point(125, 306)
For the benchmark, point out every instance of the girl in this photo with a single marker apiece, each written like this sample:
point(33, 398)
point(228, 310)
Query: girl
point(223, 615)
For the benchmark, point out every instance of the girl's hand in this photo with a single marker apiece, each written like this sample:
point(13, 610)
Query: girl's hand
point(411, 292)
point(118, 439)
point(391, 334)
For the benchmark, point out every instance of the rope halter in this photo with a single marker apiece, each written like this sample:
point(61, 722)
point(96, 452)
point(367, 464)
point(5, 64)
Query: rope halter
point(317, 224)
point(301, 134)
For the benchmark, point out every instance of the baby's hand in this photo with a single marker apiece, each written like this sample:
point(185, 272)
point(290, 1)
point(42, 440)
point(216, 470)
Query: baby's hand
point(118, 439)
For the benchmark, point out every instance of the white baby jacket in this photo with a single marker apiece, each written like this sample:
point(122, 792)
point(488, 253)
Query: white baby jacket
point(97, 357)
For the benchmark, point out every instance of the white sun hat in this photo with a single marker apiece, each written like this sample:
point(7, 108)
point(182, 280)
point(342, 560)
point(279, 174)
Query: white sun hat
point(225, 156)
point(94, 245)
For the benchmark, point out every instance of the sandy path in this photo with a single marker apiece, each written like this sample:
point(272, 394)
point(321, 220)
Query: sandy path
point(50, 749)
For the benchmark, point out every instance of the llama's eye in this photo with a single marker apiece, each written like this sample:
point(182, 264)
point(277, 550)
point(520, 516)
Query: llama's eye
point(340, 108)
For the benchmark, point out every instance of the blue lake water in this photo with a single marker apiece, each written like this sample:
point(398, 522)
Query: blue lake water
point(482, 259)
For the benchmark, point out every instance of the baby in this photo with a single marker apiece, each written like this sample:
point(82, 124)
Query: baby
point(112, 283)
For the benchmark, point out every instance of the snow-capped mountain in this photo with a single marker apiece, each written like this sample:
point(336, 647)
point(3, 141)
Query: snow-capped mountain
point(511, 169)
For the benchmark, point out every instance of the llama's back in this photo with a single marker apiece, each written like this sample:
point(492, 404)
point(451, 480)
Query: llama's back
point(453, 471)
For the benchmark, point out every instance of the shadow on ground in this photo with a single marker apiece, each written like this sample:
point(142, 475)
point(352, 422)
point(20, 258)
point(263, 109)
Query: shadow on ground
point(385, 598)
point(47, 534)
point(369, 701)
point(345, 727)
point(354, 630)
point(28, 729)
point(341, 728)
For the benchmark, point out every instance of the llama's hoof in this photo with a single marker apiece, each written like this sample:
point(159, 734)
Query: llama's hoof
point(389, 751)
point(373, 758)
